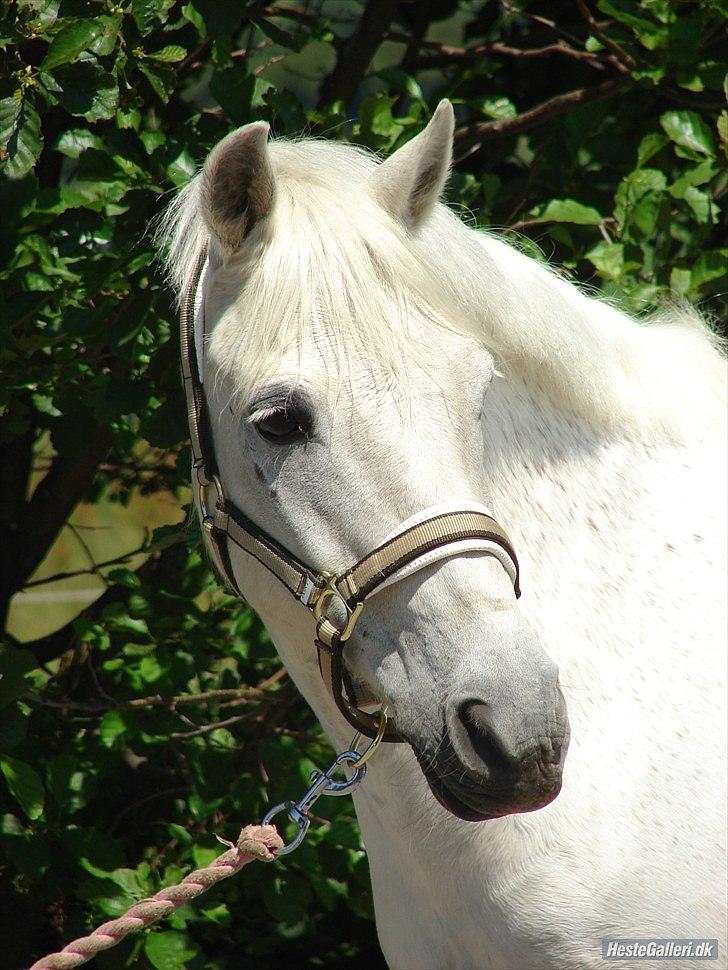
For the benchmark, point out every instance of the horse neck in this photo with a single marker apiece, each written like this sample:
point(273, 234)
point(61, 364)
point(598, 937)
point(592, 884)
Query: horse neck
point(604, 522)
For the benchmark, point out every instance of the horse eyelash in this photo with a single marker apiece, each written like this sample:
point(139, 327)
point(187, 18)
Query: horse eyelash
point(263, 413)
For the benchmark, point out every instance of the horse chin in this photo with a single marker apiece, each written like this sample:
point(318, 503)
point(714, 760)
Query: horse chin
point(475, 806)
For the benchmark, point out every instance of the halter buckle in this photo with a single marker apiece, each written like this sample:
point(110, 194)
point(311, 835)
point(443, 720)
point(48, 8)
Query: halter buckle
point(329, 592)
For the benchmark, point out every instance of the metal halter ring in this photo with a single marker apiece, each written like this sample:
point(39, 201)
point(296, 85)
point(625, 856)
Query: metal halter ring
point(330, 592)
point(366, 754)
point(204, 483)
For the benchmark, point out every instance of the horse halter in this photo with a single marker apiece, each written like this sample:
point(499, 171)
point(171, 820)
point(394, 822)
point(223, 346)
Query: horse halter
point(425, 538)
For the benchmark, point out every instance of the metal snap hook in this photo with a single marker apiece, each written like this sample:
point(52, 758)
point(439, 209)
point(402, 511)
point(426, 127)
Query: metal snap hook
point(324, 783)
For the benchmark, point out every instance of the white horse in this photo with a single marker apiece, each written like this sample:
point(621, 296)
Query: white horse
point(369, 356)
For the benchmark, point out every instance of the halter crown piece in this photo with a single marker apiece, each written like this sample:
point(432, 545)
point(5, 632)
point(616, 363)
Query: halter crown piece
point(433, 534)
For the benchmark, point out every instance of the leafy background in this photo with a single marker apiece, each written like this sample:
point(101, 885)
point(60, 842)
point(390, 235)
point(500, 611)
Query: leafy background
point(142, 711)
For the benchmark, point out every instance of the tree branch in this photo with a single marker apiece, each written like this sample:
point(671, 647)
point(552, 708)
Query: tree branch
point(290, 13)
point(469, 137)
point(42, 518)
point(444, 55)
point(623, 59)
point(16, 458)
point(206, 728)
point(355, 52)
point(238, 695)
point(91, 571)
point(510, 8)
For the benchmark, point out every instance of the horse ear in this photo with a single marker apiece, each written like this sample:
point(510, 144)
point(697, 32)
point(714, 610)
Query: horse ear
point(409, 183)
point(238, 186)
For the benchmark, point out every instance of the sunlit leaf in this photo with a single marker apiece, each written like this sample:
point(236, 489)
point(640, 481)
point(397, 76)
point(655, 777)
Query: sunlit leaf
point(25, 784)
point(72, 40)
point(688, 129)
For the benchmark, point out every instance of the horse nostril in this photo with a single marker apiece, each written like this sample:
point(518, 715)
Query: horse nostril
point(474, 730)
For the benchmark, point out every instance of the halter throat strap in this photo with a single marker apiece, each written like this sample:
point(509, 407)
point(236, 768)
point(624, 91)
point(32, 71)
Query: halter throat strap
point(430, 535)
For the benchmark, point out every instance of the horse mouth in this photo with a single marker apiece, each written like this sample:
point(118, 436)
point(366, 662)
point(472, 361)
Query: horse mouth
point(473, 802)
point(448, 799)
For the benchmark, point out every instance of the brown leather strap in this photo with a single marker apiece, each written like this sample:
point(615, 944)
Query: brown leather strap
point(331, 665)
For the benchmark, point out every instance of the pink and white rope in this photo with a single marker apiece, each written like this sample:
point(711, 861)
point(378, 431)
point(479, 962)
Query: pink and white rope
point(255, 842)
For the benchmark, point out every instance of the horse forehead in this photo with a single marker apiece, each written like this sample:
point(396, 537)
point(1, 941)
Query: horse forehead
point(435, 366)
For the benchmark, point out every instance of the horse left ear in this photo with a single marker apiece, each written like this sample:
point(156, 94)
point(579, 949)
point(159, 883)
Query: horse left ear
point(237, 184)
point(410, 182)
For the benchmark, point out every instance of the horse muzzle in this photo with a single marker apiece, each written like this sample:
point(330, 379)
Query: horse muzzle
point(495, 759)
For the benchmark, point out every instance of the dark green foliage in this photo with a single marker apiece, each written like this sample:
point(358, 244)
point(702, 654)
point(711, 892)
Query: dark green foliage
point(591, 133)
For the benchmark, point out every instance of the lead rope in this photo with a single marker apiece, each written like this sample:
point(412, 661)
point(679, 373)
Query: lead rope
point(260, 842)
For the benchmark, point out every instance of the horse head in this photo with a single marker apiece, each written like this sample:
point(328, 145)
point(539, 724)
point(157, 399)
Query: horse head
point(345, 396)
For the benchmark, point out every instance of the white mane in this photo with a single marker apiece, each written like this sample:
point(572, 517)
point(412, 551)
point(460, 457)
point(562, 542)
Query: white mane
point(330, 255)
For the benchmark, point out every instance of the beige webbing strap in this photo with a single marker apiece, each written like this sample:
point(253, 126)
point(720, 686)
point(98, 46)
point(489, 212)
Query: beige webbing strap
point(370, 572)
point(298, 579)
point(200, 444)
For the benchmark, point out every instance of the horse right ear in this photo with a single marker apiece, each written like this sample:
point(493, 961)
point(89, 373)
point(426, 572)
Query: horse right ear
point(237, 184)
point(409, 183)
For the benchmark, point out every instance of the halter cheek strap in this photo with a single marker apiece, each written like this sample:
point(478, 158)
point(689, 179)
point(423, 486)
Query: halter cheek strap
point(434, 534)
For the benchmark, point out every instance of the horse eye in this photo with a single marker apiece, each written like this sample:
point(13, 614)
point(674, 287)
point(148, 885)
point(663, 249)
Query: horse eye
point(282, 425)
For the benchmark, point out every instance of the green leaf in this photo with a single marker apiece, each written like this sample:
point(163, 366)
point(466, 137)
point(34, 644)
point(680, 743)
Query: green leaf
point(638, 200)
point(709, 266)
point(496, 108)
point(402, 81)
point(721, 127)
point(679, 281)
point(70, 41)
point(74, 141)
point(147, 13)
point(112, 727)
point(239, 95)
point(14, 665)
point(650, 35)
point(704, 208)
point(191, 13)
point(203, 855)
point(608, 258)
point(45, 12)
point(686, 128)
point(161, 79)
point(698, 175)
point(88, 91)
point(650, 145)
point(108, 37)
point(20, 137)
point(170, 950)
point(168, 55)
point(283, 38)
point(150, 668)
point(569, 210)
point(375, 115)
point(182, 168)
point(25, 784)
point(287, 898)
point(30, 856)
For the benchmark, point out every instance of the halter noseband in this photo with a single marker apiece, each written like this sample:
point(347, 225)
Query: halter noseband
point(413, 546)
